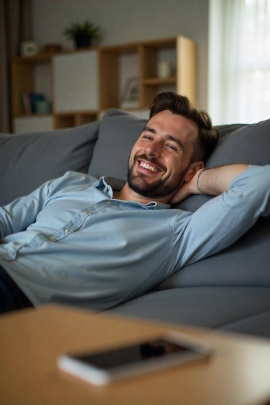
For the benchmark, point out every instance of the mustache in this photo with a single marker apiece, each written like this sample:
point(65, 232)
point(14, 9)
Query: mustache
point(150, 159)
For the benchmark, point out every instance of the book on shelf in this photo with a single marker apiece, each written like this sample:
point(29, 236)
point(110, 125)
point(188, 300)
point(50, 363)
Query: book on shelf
point(29, 102)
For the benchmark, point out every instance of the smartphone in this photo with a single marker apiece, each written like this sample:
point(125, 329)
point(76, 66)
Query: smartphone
point(103, 367)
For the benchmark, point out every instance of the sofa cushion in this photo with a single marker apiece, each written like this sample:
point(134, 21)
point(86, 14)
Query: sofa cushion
point(248, 144)
point(237, 144)
point(241, 309)
point(256, 324)
point(28, 160)
point(245, 263)
point(117, 134)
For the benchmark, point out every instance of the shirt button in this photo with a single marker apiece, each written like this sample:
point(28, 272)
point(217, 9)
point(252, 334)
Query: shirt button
point(66, 230)
point(85, 212)
point(109, 202)
point(52, 237)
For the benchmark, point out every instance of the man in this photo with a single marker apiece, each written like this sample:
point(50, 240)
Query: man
point(98, 243)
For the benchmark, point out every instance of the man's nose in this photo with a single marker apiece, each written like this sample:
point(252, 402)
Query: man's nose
point(154, 148)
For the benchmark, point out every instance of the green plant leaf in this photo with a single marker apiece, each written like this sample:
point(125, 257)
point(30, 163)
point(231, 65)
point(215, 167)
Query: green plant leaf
point(86, 28)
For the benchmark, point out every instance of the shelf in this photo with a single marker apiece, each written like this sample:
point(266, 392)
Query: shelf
point(110, 69)
point(42, 58)
point(26, 116)
point(159, 82)
point(88, 81)
point(74, 119)
point(23, 78)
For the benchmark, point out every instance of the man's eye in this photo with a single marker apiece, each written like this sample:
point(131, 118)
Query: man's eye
point(148, 137)
point(172, 147)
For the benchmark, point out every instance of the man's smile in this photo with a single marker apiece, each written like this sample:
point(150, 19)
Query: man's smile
point(147, 166)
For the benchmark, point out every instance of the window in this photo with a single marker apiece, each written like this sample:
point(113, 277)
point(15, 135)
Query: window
point(239, 61)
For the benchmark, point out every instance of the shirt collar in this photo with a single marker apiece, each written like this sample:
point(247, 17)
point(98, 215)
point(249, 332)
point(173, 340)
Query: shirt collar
point(108, 184)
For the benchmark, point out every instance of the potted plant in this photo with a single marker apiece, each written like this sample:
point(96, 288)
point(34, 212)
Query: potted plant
point(82, 34)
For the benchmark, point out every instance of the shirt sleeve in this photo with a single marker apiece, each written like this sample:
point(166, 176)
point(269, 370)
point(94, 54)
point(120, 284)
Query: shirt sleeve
point(22, 212)
point(224, 219)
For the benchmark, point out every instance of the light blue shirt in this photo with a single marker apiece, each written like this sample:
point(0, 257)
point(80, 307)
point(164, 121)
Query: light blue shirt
point(70, 242)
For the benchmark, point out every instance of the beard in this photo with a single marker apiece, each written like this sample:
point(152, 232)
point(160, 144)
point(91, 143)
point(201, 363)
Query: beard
point(158, 188)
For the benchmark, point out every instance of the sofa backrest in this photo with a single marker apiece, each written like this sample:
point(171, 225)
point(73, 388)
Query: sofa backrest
point(238, 143)
point(28, 160)
point(103, 148)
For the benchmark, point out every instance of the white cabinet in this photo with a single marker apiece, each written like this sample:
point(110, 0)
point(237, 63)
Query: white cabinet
point(75, 82)
point(26, 124)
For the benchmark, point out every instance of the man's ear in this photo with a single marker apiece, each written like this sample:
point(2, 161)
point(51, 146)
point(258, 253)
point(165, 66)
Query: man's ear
point(193, 169)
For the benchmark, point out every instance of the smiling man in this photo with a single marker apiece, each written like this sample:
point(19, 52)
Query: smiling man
point(95, 243)
point(161, 160)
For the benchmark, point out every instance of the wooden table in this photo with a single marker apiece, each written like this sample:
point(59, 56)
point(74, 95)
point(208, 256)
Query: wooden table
point(30, 341)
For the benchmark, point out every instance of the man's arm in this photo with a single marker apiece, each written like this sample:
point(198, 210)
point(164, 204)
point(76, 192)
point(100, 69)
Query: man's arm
point(18, 215)
point(209, 181)
point(23, 211)
point(224, 219)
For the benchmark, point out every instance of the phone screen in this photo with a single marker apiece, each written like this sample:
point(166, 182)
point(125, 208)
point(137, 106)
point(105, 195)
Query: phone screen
point(133, 354)
point(156, 353)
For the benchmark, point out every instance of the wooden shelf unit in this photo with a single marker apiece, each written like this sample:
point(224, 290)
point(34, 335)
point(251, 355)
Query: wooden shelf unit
point(183, 79)
point(74, 119)
point(22, 78)
point(109, 73)
point(180, 50)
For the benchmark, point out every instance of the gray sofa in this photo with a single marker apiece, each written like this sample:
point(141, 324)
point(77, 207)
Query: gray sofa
point(230, 290)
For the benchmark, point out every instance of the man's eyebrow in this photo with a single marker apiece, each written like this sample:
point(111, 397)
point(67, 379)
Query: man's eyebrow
point(169, 137)
point(149, 130)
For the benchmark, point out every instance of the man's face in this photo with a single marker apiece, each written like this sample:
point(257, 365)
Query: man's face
point(160, 160)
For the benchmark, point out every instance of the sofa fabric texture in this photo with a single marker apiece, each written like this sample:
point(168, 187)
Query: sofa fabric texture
point(29, 160)
point(117, 134)
point(230, 290)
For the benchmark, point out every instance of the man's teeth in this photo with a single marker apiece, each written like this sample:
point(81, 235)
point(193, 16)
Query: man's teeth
point(148, 167)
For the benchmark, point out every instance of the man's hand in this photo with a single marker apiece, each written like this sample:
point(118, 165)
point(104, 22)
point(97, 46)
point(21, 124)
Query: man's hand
point(187, 189)
point(209, 182)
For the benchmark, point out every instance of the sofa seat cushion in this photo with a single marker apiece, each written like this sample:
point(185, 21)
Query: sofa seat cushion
point(210, 307)
point(257, 324)
point(28, 160)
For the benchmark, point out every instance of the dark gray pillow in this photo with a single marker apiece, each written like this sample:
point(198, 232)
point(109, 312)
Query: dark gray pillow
point(249, 144)
point(28, 160)
point(237, 144)
point(118, 133)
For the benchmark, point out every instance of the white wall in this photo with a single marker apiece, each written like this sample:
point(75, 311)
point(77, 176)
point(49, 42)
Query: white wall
point(129, 21)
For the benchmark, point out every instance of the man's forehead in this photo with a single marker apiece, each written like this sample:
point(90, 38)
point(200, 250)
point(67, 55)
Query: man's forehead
point(172, 124)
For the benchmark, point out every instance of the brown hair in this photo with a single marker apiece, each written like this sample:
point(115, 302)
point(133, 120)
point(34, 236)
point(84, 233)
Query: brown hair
point(177, 104)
